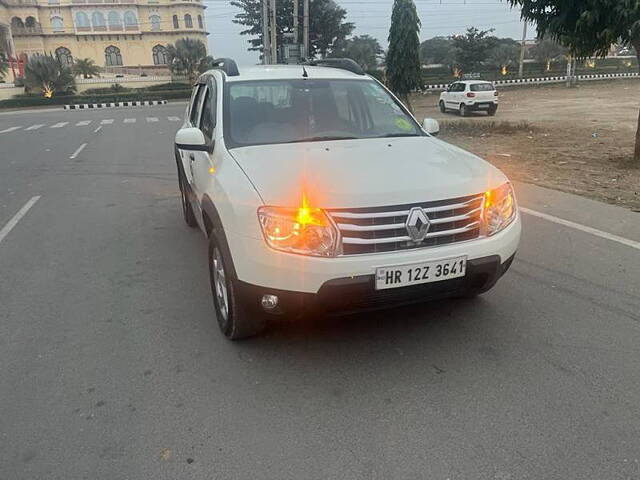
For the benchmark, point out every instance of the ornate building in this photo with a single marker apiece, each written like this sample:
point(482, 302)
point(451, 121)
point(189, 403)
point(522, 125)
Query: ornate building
point(119, 35)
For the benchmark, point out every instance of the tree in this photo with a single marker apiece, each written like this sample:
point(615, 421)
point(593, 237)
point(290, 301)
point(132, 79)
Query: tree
point(438, 50)
point(504, 56)
point(587, 28)
point(187, 57)
point(365, 50)
point(327, 27)
point(548, 51)
point(4, 65)
point(472, 49)
point(404, 72)
point(85, 67)
point(47, 74)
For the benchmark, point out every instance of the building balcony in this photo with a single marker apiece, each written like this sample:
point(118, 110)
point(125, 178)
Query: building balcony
point(26, 31)
point(20, 3)
point(102, 29)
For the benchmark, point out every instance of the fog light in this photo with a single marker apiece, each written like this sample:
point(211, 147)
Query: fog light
point(269, 302)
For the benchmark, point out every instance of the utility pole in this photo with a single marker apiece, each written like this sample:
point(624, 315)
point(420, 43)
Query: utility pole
point(305, 27)
point(274, 33)
point(266, 40)
point(522, 51)
point(296, 35)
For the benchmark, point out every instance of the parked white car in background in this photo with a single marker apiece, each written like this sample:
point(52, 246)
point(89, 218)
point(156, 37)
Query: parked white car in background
point(470, 96)
point(316, 187)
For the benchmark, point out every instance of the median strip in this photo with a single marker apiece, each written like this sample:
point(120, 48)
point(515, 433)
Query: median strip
point(87, 106)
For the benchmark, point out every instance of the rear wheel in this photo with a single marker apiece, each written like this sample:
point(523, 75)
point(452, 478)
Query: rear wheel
point(463, 110)
point(492, 110)
point(443, 107)
point(236, 319)
point(187, 209)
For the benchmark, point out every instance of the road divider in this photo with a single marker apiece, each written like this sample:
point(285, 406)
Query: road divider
point(88, 106)
point(17, 217)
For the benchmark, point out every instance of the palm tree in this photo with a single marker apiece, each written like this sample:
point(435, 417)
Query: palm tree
point(186, 57)
point(4, 65)
point(47, 74)
point(86, 67)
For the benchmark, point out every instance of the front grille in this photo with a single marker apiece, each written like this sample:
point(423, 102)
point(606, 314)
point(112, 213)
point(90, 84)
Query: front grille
point(383, 229)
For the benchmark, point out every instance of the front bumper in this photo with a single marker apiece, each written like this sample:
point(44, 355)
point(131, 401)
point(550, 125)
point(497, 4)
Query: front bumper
point(358, 294)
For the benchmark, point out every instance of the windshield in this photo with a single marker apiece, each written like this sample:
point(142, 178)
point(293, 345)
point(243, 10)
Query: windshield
point(288, 111)
point(482, 87)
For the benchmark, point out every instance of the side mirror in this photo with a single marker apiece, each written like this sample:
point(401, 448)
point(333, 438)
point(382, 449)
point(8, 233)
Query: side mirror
point(431, 126)
point(191, 139)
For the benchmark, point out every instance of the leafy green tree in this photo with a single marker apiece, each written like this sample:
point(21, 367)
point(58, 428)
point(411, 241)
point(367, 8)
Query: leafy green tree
point(404, 72)
point(472, 49)
point(86, 68)
point(364, 49)
point(588, 28)
point(48, 75)
point(328, 29)
point(504, 56)
point(187, 57)
point(548, 51)
point(438, 50)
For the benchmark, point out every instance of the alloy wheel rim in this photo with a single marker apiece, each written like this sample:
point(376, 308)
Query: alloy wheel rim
point(220, 284)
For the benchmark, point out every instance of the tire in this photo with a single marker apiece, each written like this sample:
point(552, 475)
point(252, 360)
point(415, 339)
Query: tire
point(443, 107)
point(492, 111)
point(187, 209)
point(237, 320)
point(464, 112)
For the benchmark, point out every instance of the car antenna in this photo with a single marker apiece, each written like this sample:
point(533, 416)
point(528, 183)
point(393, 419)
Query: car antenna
point(304, 72)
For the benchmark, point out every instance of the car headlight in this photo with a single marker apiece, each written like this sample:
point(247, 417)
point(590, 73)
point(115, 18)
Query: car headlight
point(499, 209)
point(304, 230)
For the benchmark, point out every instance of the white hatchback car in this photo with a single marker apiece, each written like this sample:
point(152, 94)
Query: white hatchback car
point(316, 188)
point(470, 96)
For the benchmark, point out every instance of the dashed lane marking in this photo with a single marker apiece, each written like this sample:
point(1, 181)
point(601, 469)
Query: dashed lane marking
point(83, 123)
point(98, 129)
point(129, 120)
point(173, 119)
point(77, 152)
point(10, 129)
point(35, 127)
point(583, 228)
point(17, 217)
point(59, 125)
point(152, 119)
point(106, 121)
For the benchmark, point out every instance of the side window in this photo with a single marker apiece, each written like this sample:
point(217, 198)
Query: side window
point(194, 112)
point(208, 119)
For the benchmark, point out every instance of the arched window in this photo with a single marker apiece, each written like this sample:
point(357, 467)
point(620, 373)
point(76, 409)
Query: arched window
point(82, 20)
point(30, 22)
point(200, 23)
point(188, 23)
point(130, 19)
point(97, 18)
point(57, 24)
point(64, 56)
point(17, 23)
point(160, 55)
point(176, 24)
point(155, 22)
point(115, 22)
point(112, 56)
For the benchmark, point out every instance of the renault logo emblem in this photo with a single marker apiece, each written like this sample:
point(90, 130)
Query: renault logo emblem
point(418, 224)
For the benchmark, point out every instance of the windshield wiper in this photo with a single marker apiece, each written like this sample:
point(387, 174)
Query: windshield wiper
point(325, 138)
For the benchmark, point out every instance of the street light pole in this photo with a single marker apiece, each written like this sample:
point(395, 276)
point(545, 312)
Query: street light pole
point(266, 40)
point(522, 51)
point(305, 27)
point(274, 33)
point(296, 36)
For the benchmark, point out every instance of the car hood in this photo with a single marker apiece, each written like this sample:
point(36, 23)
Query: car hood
point(365, 173)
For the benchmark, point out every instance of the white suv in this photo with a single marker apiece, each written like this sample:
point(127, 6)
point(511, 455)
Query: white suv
point(470, 96)
point(316, 188)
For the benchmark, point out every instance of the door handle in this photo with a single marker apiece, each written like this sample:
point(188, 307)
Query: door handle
point(192, 157)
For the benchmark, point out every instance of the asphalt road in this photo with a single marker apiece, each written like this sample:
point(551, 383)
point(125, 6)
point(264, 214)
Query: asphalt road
point(112, 366)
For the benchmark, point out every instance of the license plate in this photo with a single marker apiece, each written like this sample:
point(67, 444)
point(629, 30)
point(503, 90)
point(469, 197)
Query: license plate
point(419, 273)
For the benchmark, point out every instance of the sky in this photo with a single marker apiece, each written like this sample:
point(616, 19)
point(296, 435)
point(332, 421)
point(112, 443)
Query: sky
point(373, 17)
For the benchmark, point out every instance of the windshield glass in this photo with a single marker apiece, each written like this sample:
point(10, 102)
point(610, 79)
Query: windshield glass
point(288, 111)
point(482, 87)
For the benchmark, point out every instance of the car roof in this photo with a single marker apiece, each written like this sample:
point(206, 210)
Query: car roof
point(474, 82)
point(290, 72)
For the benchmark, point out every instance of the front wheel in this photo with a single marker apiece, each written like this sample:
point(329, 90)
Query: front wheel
point(236, 319)
point(443, 107)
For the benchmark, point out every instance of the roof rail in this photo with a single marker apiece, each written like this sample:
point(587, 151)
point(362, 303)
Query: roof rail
point(342, 63)
point(227, 65)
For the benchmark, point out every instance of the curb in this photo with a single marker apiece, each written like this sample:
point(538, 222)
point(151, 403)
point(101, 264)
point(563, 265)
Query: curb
point(83, 106)
point(543, 80)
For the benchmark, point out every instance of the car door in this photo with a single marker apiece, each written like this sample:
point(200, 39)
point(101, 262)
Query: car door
point(202, 163)
point(451, 95)
point(193, 117)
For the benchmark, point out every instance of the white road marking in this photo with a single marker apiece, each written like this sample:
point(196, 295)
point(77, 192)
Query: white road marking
point(35, 127)
point(10, 129)
point(98, 129)
point(107, 121)
point(583, 228)
point(77, 152)
point(59, 125)
point(152, 119)
point(173, 119)
point(83, 123)
point(129, 120)
point(17, 217)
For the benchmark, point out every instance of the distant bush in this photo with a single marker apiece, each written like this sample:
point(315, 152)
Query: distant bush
point(115, 88)
point(168, 86)
point(36, 100)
